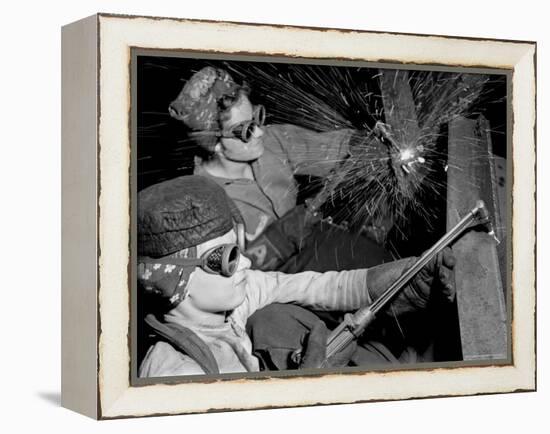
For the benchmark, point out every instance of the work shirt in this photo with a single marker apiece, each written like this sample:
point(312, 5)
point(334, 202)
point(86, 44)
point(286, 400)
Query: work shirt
point(231, 346)
point(289, 150)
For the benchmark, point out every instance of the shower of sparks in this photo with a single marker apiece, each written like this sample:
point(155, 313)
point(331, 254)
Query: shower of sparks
point(318, 98)
point(382, 183)
point(385, 178)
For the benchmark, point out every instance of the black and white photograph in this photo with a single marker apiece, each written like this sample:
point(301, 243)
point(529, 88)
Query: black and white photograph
point(298, 216)
point(257, 217)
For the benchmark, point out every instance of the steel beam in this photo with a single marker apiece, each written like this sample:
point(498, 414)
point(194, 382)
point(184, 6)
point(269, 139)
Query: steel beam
point(479, 281)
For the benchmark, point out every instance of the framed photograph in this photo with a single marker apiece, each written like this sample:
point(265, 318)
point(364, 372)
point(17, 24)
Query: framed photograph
point(260, 216)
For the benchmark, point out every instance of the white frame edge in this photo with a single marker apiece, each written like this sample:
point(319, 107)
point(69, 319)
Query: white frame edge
point(79, 367)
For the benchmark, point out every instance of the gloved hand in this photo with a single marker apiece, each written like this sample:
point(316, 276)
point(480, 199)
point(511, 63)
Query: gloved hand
point(315, 350)
point(436, 278)
point(436, 275)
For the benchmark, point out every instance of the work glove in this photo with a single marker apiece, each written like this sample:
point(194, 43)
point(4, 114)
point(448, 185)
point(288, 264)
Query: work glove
point(437, 274)
point(435, 279)
point(314, 350)
point(287, 336)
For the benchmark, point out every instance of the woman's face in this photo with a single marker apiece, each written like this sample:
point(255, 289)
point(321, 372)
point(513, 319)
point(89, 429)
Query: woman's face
point(213, 292)
point(234, 148)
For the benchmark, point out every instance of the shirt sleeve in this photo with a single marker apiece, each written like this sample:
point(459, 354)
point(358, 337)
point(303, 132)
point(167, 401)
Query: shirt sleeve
point(163, 360)
point(308, 152)
point(342, 291)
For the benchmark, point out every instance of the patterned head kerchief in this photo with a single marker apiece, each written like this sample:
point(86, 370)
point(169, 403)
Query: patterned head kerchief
point(199, 103)
point(168, 282)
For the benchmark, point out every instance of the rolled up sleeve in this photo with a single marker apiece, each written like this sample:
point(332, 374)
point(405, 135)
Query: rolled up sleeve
point(309, 152)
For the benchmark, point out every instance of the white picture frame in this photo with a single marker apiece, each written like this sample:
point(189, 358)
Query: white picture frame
point(96, 135)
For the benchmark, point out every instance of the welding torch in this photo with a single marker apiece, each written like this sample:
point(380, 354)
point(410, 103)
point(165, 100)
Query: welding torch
point(355, 324)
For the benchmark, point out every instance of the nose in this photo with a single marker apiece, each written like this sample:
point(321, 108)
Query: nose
point(258, 132)
point(244, 263)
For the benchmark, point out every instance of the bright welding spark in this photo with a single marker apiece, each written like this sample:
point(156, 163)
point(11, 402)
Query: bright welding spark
point(407, 154)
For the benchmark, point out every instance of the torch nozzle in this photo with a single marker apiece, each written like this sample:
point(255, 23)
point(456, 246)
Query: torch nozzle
point(483, 215)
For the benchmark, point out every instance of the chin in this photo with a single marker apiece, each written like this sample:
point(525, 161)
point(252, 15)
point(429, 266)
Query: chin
point(248, 155)
point(226, 305)
point(237, 300)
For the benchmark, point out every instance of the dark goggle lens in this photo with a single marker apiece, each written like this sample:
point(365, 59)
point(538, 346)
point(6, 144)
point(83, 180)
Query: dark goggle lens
point(245, 130)
point(214, 260)
point(233, 260)
point(223, 260)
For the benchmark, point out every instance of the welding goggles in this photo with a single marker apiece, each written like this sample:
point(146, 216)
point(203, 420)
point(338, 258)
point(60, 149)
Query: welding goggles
point(222, 260)
point(245, 130)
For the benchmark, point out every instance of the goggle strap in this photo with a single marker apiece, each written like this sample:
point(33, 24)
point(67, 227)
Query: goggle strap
point(198, 262)
point(171, 261)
